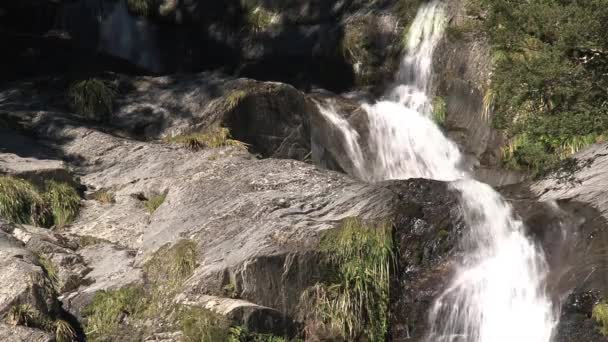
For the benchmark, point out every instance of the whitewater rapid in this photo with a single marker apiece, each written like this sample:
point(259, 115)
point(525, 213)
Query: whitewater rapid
point(497, 293)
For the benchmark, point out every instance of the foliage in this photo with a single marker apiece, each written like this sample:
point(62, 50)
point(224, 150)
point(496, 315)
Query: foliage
point(213, 138)
point(154, 202)
point(92, 98)
point(549, 81)
point(354, 303)
point(20, 202)
point(64, 202)
point(439, 111)
point(600, 315)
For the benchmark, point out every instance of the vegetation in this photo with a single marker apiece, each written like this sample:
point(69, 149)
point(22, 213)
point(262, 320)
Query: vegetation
point(154, 202)
point(353, 304)
point(51, 271)
point(21, 202)
point(439, 111)
point(600, 315)
point(104, 197)
point(258, 18)
point(141, 7)
point(93, 98)
point(22, 314)
point(234, 98)
point(214, 138)
point(64, 332)
point(138, 310)
point(64, 202)
point(549, 81)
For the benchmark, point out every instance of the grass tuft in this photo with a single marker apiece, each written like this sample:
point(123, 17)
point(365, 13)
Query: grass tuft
point(64, 202)
point(104, 197)
point(154, 202)
point(439, 111)
point(214, 138)
point(20, 202)
point(140, 7)
point(234, 98)
point(258, 18)
point(64, 332)
point(51, 271)
point(354, 304)
point(105, 313)
point(93, 98)
point(22, 314)
point(600, 315)
point(201, 325)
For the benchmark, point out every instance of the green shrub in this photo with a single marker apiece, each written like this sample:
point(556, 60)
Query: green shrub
point(354, 303)
point(63, 201)
point(20, 202)
point(548, 83)
point(93, 98)
point(154, 202)
point(600, 315)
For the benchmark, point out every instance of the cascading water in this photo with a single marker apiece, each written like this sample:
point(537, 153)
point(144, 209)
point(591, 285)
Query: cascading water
point(498, 292)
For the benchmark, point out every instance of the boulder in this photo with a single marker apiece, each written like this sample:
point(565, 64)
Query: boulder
point(9, 333)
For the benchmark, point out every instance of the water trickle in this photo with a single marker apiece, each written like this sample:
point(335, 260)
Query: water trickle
point(498, 291)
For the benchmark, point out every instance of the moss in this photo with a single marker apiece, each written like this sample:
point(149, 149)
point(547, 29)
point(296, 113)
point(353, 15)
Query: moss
point(154, 202)
point(64, 202)
point(93, 98)
point(600, 315)
point(213, 138)
point(354, 302)
point(87, 240)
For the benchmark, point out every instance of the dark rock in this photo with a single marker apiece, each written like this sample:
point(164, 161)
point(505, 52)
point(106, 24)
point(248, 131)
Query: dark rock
point(428, 225)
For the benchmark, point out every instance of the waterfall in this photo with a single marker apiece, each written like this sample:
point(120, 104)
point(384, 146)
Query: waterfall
point(498, 290)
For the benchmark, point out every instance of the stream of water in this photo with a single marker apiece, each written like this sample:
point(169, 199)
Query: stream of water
point(497, 293)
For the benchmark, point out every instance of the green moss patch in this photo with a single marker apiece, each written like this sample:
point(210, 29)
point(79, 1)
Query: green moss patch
point(154, 202)
point(353, 303)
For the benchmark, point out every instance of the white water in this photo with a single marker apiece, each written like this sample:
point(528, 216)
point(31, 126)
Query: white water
point(497, 293)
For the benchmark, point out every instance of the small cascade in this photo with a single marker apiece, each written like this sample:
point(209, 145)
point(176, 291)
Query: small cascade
point(498, 290)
